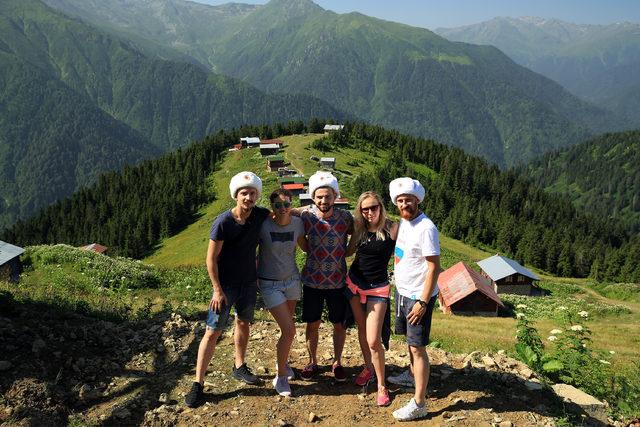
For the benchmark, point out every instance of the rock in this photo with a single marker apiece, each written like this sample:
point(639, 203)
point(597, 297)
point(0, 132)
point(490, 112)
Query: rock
point(488, 361)
point(5, 365)
point(312, 418)
point(526, 373)
point(38, 345)
point(471, 357)
point(456, 418)
point(8, 410)
point(234, 413)
point(262, 370)
point(164, 398)
point(533, 385)
point(580, 402)
point(121, 413)
point(506, 424)
point(282, 423)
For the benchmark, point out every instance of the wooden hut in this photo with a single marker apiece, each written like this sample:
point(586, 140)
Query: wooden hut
point(10, 265)
point(274, 163)
point(509, 277)
point(464, 291)
point(96, 247)
point(328, 162)
point(269, 149)
point(295, 189)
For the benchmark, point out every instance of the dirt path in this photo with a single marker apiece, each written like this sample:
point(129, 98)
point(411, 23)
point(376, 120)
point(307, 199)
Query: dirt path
point(56, 368)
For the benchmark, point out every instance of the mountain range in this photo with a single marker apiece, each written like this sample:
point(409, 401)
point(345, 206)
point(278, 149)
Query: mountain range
point(408, 78)
point(77, 102)
point(599, 63)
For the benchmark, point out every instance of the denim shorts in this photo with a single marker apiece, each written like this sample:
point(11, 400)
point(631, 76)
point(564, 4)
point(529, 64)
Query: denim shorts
point(276, 292)
point(417, 335)
point(242, 297)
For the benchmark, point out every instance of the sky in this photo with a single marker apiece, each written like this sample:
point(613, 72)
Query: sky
point(433, 14)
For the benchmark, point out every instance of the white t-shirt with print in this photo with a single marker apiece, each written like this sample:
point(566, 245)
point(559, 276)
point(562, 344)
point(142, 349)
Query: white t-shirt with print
point(417, 239)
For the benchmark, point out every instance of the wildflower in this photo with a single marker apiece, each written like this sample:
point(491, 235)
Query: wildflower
point(562, 307)
point(576, 328)
point(583, 314)
point(521, 306)
point(188, 287)
point(604, 362)
point(555, 331)
point(552, 338)
point(612, 352)
point(520, 316)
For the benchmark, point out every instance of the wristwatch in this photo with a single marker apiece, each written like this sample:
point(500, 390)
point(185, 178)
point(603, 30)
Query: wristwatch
point(424, 304)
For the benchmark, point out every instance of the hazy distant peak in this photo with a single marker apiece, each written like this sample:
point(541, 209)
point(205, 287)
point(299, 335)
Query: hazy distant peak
point(295, 7)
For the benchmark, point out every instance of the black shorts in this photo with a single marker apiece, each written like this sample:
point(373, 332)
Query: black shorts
point(417, 335)
point(313, 303)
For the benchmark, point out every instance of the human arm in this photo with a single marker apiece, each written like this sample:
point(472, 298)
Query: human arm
point(219, 298)
point(393, 231)
point(352, 247)
point(419, 309)
point(303, 243)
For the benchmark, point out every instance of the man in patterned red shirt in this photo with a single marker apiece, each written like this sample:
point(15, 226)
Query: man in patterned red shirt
point(323, 276)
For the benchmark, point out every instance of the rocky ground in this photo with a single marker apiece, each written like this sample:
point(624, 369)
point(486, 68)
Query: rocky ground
point(56, 369)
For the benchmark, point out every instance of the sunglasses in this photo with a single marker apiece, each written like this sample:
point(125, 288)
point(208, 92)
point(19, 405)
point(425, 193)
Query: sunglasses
point(280, 205)
point(370, 208)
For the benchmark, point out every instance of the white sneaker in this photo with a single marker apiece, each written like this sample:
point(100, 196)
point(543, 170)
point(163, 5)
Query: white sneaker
point(291, 375)
point(404, 379)
point(410, 411)
point(282, 386)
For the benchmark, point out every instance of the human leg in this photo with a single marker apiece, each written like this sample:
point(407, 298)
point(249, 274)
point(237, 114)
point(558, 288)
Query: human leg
point(282, 315)
point(374, 320)
point(359, 316)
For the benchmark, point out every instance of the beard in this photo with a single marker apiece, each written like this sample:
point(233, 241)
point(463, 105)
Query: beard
point(324, 208)
point(409, 212)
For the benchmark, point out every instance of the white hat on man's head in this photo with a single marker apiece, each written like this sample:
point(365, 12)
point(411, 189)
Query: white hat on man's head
point(405, 185)
point(243, 180)
point(323, 179)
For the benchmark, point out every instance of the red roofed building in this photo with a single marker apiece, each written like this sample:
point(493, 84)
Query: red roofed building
point(296, 189)
point(465, 291)
point(273, 141)
point(96, 247)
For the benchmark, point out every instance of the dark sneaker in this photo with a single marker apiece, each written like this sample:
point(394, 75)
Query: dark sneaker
point(309, 371)
point(244, 374)
point(193, 399)
point(338, 373)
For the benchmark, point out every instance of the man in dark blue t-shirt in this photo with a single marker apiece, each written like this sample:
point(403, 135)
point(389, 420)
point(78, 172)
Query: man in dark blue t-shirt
point(231, 263)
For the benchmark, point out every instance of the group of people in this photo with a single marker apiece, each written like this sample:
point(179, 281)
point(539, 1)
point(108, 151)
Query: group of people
point(328, 235)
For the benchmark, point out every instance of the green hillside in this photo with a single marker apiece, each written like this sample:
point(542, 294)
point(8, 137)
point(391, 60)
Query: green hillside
point(600, 63)
point(398, 76)
point(77, 103)
point(600, 176)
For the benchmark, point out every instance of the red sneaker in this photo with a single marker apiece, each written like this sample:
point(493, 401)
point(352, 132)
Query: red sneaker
point(309, 371)
point(383, 397)
point(365, 376)
point(338, 372)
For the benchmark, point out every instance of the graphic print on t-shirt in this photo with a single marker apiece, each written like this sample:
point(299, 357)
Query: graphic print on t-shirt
point(399, 253)
point(281, 237)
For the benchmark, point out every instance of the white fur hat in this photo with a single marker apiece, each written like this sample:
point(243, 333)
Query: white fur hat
point(323, 179)
point(242, 180)
point(405, 185)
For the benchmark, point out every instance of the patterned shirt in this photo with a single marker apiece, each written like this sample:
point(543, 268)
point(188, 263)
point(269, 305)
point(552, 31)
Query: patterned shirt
point(326, 267)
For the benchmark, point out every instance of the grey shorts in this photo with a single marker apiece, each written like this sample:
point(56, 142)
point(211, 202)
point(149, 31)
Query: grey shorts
point(243, 297)
point(276, 292)
point(417, 335)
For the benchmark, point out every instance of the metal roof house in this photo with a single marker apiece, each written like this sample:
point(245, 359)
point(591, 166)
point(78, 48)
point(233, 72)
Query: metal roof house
point(509, 277)
point(10, 265)
point(250, 141)
point(96, 247)
point(328, 162)
point(269, 149)
point(332, 128)
point(464, 291)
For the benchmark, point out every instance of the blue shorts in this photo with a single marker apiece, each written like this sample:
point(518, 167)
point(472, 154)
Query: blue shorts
point(242, 297)
point(417, 335)
point(276, 292)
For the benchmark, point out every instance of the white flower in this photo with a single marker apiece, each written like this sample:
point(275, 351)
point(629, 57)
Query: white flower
point(555, 331)
point(520, 316)
point(552, 338)
point(612, 352)
point(604, 362)
point(521, 306)
point(583, 314)
point(576, 328)
point(188, 287)
point(562, 307)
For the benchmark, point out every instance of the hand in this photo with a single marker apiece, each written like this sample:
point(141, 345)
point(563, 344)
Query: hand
point(417, 311)
point(217, 301)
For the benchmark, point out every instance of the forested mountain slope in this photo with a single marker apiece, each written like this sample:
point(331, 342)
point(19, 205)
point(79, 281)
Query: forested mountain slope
point(403, 77)
point(468, 199)
point(600, 63)
point(77, 102)
point(600, 176)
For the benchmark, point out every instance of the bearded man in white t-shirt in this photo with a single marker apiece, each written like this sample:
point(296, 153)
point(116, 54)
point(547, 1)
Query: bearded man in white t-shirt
point(417, 265)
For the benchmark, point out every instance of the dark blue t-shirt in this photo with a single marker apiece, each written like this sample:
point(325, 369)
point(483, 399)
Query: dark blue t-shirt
point(237, 260)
